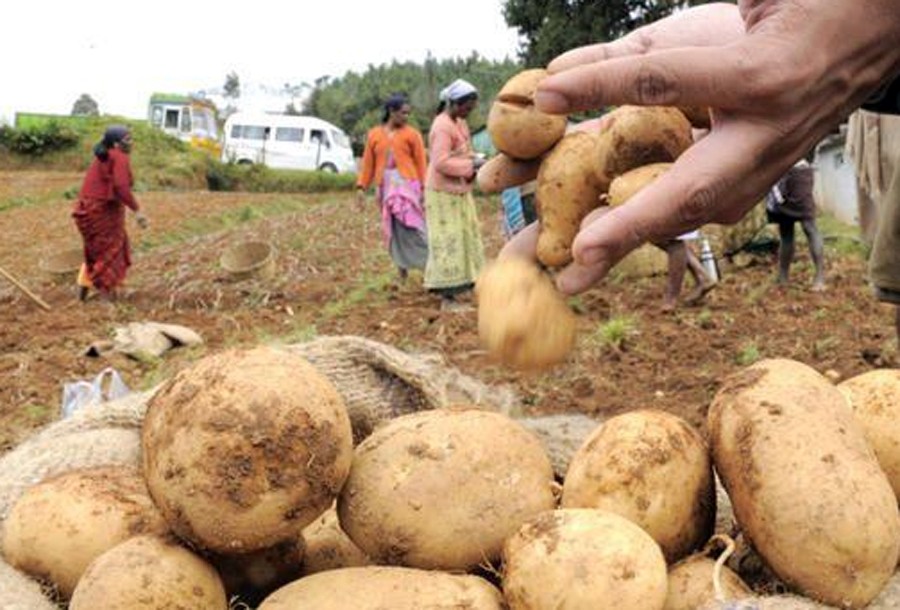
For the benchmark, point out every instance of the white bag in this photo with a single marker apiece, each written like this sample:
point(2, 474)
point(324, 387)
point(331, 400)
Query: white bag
point(79, 394)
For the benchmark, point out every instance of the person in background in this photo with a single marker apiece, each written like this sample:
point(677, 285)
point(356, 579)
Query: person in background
point(774, 86)
point(873, 146)
point(455, 249)
point(790, 201)
point(99, 214)
point(394, 160)
point(518, 208)
point(680, 258)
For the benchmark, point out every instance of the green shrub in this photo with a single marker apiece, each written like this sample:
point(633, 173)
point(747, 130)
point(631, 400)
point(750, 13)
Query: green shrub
point(40, 139)
point(261, 179)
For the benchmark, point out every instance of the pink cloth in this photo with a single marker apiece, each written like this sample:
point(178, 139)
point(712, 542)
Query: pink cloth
point(400, 198)
point(450, 150)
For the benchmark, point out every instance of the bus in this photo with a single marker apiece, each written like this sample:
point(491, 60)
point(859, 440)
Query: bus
point(188, 118)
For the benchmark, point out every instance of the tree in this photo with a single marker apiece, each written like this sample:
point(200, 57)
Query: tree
point(550, 27)
point(85, 106)
point(231, 91)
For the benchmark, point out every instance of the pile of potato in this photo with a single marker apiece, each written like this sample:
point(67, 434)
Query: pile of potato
point(576, 172)
point(250, 490)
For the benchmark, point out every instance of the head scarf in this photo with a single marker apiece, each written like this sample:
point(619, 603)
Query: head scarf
point(395, 102)
point(113, 135)
point(456, 90)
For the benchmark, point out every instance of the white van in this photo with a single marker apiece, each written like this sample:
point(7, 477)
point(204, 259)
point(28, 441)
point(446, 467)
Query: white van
point(284, 141)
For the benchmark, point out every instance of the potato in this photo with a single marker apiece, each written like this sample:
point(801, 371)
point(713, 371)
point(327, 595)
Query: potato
point(523, 321)
point(443, 489)
point(500, 172)
point(652, 468)
point(60, 525)
point(516, 127)
point(328, 547)
point(875, 399)
point(581, 167)
point(691, 584)
point(583, 558)
point(380, 588)
point(149, 573)
point(698, 116)
point(806, 489)
point(567, 190)
point(628, 184)
point(244, 448)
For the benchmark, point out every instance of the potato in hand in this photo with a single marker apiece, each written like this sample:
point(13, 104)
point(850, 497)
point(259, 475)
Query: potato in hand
point(523, 321)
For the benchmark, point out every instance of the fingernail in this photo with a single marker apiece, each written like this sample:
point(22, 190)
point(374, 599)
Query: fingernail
point(551, 102)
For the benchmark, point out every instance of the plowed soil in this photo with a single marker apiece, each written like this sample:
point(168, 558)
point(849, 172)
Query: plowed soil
point(334, 277)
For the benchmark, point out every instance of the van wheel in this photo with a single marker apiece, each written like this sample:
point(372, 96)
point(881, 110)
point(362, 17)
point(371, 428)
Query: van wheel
point(245, 162)
point(328, 167)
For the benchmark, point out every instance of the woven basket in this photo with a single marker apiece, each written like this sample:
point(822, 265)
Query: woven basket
point(249, 259)
point(377, 382)
point(62, 266)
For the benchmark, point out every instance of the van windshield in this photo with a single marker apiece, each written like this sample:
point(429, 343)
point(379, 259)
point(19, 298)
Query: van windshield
point(340, 138)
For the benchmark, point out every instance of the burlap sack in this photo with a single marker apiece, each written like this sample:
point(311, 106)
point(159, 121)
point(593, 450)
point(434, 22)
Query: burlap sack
point(376, 381)
point(561, 436)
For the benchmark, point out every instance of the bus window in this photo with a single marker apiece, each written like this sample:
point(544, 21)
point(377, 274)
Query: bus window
point(171, 118)
point(186, 119)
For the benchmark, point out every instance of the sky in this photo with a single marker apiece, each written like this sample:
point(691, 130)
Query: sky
point(52, 51)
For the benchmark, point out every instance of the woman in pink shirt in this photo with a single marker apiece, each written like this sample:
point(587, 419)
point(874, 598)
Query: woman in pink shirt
point(455, 252)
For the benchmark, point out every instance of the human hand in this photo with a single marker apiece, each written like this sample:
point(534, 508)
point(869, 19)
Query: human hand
point(142, 221)
point(775, 88)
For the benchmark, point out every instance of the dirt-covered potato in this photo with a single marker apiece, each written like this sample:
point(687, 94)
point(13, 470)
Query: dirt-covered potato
point(380, 588)
point(652, 468)
point(691, 584)
point(583, 558)
point(628, 184)
point(517, 128)
point(581, 167)
point(59, 526)
point(443, 489)
point(567, 190)
point(244, 448)
point(149, 573)
point(501, 172)
point(806, 488)
point(875, 399)
point(523, 321)
point(328, 547)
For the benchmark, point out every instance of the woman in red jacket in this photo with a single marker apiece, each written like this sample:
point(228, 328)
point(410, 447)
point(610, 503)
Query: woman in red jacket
point(99, 214)
point(394, 160)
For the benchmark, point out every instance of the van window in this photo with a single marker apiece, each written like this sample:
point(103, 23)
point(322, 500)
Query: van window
point(340, 138)
point(289, 134)
point(317, 136)
point(248, 132)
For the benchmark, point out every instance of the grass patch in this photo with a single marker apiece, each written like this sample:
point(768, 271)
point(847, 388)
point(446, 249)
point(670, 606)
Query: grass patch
point(841, 239)
point(748, 354)
point(372, 290)
point(615, 332)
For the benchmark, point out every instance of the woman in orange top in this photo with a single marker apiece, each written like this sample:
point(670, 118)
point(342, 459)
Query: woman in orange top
point(394, 160)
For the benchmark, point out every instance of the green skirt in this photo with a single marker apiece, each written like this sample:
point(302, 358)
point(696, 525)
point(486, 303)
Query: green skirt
point(455, 249)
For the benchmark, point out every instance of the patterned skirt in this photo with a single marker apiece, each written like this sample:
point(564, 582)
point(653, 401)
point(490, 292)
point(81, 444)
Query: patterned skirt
point(455, 249)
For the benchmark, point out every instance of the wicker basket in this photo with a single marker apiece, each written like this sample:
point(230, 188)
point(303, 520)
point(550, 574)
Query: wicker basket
point(249, 259)
point(63, 266)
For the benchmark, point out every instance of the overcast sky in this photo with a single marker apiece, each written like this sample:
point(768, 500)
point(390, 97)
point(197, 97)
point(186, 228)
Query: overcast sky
point(119, 52)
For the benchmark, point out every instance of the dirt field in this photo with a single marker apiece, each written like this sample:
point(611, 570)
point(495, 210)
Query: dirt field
point(334, 277)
